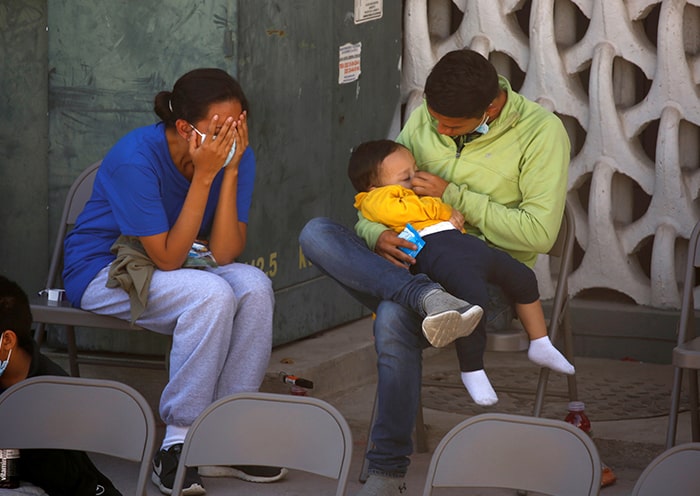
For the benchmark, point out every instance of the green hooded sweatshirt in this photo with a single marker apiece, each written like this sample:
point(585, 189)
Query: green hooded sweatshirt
point(510, 183)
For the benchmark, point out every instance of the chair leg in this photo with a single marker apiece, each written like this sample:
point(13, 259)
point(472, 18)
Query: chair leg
point(569, 353)
point(544, 372)
point(166, 360)
point(40, 333)
point(673, 411)
point(72, 352)
point(541, 391)
point(365, 463)
point(421, 437)
point(694, 420)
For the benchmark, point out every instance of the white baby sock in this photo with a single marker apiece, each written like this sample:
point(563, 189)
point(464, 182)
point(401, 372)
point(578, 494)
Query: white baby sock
point(479, 387)
point(544, 354)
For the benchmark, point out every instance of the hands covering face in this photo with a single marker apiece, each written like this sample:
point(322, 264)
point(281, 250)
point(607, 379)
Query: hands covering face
point(226, 146)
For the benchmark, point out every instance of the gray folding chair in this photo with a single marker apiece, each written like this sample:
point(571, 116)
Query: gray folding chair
point(515, 452)
point(63, 313)
point(674, 472)
point(296, 432)
point(517, 340)
point(92, 415)
point(560, 319)
point(686, 354)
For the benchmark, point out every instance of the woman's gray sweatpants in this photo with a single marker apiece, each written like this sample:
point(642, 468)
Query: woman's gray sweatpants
point(221, 323)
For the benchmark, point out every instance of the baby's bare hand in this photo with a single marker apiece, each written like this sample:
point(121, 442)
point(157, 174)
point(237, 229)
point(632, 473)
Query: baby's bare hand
point(457, 219)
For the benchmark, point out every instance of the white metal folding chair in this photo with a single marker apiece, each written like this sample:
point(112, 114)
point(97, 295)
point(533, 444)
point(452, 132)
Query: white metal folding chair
point(675, 471)
point(560, 320)
point(92, 415)
point(515, 452)
point(296, 432)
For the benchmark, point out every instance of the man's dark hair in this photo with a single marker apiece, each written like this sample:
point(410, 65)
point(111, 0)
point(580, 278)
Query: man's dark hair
point(363, 168)
point(462, 84)
point(15, 314)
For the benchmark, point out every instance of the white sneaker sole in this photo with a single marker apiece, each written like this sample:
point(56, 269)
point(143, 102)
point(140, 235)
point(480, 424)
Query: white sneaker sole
point(193, 490)
point(228, 471)
point(443, 328)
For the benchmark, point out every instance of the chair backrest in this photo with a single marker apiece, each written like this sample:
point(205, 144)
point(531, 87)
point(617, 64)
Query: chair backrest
point(676, 471)
point(566, 234)
point(516, 452)
point(515, 339)
point(78, 195)
point(296, 432)
point(564, 244)
point(564, 249)
point(686, 330)
point(93, 415)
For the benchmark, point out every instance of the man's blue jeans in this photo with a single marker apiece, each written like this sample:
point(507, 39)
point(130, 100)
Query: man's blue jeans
point(341, 254)
point(396, 296)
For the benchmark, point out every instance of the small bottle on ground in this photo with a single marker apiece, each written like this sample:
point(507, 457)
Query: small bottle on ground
point(577, 417)
point(9, 468)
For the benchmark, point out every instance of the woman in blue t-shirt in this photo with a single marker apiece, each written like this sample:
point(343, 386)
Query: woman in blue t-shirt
point(162, 187)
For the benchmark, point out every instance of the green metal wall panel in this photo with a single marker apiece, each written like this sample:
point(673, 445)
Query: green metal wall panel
point(304, 125)
point(106, 60)
point(24, 234)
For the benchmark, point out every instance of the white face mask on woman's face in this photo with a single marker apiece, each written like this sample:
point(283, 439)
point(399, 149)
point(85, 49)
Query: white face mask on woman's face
point(4, 363)
point(230, 152)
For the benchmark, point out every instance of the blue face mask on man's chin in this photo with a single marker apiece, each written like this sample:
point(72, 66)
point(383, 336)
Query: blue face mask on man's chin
point(482, 128)
point(4, 363)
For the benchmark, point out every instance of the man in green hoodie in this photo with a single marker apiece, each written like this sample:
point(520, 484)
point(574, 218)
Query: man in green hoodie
point(502, 161)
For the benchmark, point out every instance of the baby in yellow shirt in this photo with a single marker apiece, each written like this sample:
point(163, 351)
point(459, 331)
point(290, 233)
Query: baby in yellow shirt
point(381, 172)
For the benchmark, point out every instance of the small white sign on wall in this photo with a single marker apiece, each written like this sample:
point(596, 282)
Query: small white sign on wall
point(349, 62)
point(368, 10)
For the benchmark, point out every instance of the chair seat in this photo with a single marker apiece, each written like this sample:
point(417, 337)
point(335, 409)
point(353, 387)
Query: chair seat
point(507, 340)
point(672, 472)
point(687, 355)
point(299, 432)
point(63, 313)
point(533, 454)
point(93, 415)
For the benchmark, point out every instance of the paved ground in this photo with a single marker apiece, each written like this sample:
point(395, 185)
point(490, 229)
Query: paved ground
point(626, 401)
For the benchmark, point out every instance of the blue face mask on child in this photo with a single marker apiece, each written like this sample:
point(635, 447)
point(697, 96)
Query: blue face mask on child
point(4, 363)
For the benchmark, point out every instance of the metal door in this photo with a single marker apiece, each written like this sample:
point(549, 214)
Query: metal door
point(108, 59)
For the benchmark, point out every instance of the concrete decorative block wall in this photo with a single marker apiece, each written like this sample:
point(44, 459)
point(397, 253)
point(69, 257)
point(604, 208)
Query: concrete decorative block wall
point(624, 77)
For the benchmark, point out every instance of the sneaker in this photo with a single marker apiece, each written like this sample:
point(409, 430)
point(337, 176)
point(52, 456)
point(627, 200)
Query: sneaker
point(441, 328)
point(164, 469)
point(250, 473)
point(378, 485)
point(106, 490)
